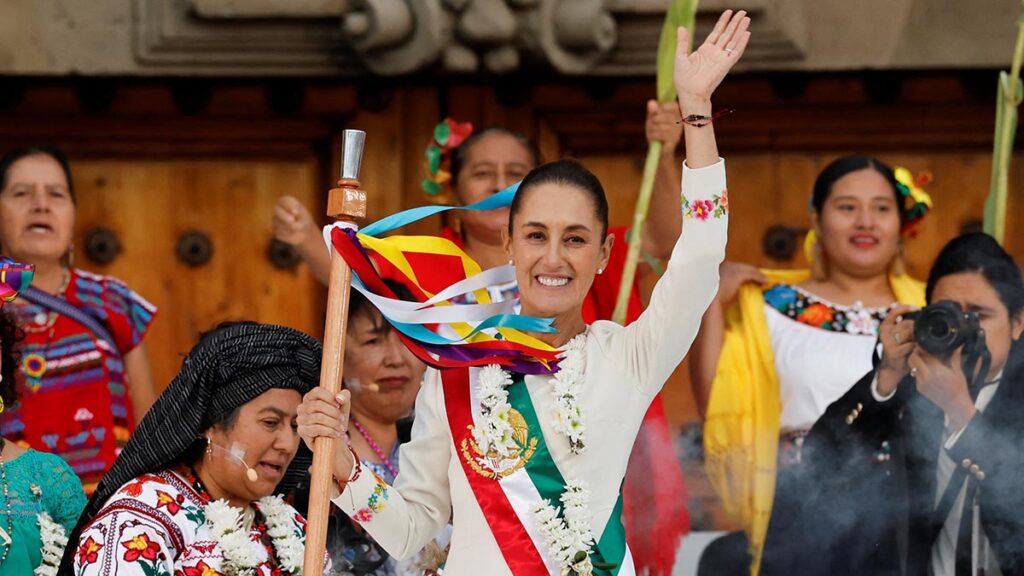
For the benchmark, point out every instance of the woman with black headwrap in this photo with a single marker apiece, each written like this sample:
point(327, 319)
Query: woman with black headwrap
point(193, 491)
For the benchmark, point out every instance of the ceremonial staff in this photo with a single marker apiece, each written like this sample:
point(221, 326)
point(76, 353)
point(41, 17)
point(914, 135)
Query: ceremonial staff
point(345, 204)
point(680, 13)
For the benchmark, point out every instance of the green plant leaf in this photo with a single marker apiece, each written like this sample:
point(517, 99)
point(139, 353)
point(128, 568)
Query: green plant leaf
point(680, 13)
point(442, 132)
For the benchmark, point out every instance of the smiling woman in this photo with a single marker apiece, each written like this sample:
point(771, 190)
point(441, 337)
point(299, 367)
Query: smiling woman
point(86, 377)
point(532, 465)
point(192, 492)
point(796, 339)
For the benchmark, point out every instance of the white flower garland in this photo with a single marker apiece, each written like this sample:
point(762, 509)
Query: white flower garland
point(569, 539)
point(55, 539)
point(496, 430)
point(241, 554)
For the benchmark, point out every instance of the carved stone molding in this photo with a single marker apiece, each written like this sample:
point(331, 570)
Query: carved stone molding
point(498, 37)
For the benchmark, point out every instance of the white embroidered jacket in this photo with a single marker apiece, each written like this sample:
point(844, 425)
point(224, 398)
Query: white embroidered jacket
point(625, 368)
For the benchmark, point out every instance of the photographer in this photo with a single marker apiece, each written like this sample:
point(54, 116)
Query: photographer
point(917, 469)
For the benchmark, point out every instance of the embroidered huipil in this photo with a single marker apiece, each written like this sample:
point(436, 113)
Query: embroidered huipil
point(74, 399)
point(625, 369)
point(819, 348)
point(155, 525)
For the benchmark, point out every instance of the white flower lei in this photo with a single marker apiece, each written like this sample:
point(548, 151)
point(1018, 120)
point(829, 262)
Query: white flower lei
point(240, 553)
point(496, 430)
point(55, 539)
point(569, 539)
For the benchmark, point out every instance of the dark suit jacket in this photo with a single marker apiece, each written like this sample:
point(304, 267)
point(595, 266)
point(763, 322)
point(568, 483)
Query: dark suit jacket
point(862, 501)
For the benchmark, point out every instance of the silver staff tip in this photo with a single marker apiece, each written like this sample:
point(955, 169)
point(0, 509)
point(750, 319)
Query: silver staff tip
point(352, 153)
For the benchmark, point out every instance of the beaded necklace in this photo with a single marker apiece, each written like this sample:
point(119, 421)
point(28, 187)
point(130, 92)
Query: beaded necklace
point(375, 447)
point(7, 503)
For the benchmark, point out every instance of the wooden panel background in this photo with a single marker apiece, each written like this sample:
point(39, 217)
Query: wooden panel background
point(149, 204)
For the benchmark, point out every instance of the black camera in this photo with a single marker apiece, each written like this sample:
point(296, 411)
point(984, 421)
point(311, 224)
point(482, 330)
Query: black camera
point(942, 327)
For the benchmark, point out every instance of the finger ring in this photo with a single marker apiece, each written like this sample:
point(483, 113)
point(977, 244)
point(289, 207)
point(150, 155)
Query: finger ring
point(913, 372)
point(897, 337)
point(728, 50)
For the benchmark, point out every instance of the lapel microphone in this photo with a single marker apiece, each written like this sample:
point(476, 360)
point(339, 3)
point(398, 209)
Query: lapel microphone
point(237, 453)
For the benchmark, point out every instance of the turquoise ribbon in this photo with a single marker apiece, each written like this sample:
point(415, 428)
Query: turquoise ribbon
point(384, 225)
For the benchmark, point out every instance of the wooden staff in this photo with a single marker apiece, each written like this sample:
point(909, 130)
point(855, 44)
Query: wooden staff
point(345, 203)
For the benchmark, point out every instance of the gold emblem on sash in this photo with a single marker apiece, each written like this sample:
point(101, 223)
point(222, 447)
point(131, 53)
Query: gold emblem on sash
point(493, 465)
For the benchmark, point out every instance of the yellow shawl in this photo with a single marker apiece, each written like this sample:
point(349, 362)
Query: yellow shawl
point(741, 432)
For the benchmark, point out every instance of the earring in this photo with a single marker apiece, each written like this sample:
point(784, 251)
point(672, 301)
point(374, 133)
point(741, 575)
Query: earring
point(3, 406)
point(511, 263)
point(209, 447)
point(600, 270)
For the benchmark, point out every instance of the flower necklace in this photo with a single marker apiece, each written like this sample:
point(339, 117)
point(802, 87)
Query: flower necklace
point(239, 550)
point(496, 430)
point(54, 539)
point(7, 505)
point(374, 446)
point(569, 537)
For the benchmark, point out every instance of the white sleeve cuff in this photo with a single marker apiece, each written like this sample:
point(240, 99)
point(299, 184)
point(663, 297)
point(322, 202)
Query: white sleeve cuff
point(874, 391)
point(704, 183)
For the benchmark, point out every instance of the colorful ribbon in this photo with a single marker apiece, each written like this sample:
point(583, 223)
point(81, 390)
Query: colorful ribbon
point(14, 278)
point(440, 331)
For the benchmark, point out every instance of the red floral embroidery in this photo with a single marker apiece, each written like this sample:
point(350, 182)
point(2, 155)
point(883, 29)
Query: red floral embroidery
point(140, 546)
point(135, 488)
point(88, 551)
point(165, 500)
point(363, 515)
point(816, 314)
point(702, 209)
point(201, 569)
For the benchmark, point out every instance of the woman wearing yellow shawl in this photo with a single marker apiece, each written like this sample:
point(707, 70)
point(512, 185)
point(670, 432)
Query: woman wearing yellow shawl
point(777, 347)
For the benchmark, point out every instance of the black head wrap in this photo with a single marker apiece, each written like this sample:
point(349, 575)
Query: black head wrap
point(227, 369)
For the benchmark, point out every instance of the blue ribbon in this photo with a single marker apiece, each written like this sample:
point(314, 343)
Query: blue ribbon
point(405, 217)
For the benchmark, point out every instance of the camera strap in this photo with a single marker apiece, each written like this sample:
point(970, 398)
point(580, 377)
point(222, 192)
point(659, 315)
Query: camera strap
point(976, 351)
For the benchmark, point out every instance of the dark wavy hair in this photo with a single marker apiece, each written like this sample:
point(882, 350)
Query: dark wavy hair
point(10, 336)
point(50, 150)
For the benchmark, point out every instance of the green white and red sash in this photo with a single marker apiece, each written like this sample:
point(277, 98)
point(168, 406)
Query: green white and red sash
point(508, 503)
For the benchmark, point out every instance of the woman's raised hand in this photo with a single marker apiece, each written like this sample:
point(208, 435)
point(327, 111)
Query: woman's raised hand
point(697, 74)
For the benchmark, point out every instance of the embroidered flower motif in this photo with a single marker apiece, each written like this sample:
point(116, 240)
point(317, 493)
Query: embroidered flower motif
point(807, 309)
point(201, 569)
point(165, 500)
point(860, 321)
point(702, 209)
point(140, 546)
point(816, 314)
point(88, 552)
point(717, 207)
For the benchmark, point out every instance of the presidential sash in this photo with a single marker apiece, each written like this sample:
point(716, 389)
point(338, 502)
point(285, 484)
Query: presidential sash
point(509, 489)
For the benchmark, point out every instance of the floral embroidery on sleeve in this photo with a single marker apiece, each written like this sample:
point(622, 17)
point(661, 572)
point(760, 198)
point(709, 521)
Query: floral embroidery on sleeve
point(716, 207)
point(88, 552)
point(375, 503)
